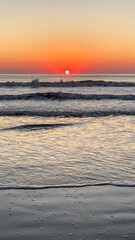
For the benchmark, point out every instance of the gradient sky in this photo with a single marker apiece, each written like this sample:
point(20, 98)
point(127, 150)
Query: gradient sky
point(85, 36)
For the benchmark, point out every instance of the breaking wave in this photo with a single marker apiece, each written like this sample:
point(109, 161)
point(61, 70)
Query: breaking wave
point(90, 83)
point(37, 126)
point(65, 96)
point(69, 114)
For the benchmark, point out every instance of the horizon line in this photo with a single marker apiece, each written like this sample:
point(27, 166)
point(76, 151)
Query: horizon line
point(69, 74)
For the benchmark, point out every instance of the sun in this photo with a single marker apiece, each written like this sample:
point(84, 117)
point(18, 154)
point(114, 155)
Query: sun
point(67, 71)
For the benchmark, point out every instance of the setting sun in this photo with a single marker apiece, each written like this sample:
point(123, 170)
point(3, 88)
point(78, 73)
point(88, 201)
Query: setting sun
point(67, 72)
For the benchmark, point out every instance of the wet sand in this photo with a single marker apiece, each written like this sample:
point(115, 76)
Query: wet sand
point(89, 213)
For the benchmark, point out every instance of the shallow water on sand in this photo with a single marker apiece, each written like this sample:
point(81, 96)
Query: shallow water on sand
point(67, 151)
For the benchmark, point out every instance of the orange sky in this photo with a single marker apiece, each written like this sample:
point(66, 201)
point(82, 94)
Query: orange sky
point(48, 36)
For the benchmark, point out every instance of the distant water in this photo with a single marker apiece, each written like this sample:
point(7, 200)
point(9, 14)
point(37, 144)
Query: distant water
point(67, 130)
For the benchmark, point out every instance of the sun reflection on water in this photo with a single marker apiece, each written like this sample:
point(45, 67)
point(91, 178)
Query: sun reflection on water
point(94, 149)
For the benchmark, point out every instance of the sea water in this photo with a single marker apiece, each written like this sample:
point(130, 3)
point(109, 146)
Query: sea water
point(67, 130)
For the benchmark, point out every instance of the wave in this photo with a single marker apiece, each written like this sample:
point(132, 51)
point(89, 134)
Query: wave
point(38, 187)
point(67, 114)
point(89, 83)
point(37, 126)
point(65, 96)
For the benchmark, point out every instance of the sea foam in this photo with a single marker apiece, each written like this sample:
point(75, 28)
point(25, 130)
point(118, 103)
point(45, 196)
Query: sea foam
point(89, 83)
point(38, 187)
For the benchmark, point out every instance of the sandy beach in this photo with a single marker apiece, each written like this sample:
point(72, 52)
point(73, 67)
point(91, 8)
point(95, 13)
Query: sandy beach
point(95, 213)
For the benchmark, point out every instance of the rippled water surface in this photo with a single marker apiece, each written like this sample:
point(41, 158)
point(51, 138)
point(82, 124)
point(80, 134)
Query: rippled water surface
point(58, 140)
point(83, 151)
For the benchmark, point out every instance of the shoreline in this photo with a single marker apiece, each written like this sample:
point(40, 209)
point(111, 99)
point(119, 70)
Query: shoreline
point(96, 212)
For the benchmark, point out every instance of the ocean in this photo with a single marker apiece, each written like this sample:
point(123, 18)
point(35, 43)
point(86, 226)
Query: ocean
point(74, 130)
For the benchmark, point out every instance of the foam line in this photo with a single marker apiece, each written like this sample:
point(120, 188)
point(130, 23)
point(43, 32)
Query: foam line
point(89, 83)
point(36, 187)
